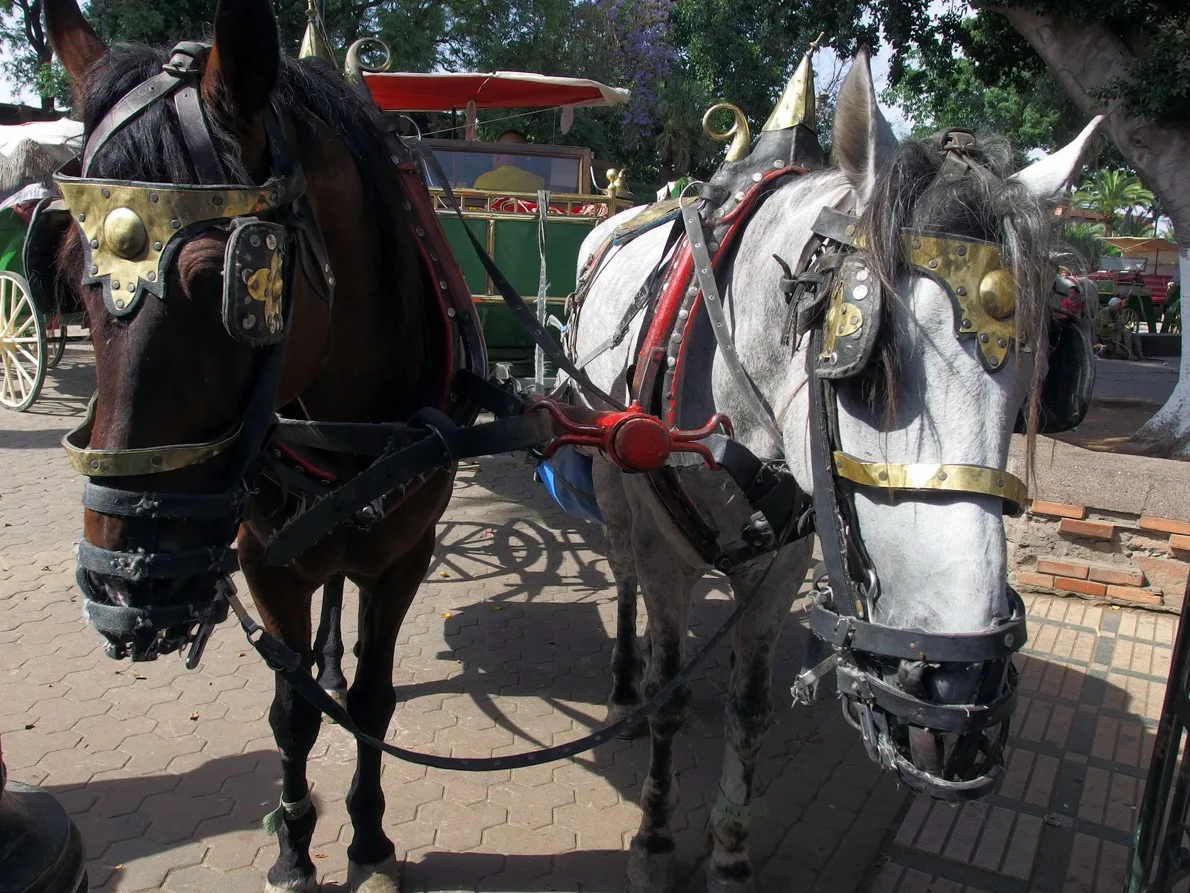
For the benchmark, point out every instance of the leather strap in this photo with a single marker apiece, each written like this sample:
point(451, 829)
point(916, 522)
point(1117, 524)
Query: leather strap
point(137, 504)
point(526, 317)
point(887, 641)
point(441, 445)
point(197, 137)
point(704, 273)
point(128, 107)
point(137, 566)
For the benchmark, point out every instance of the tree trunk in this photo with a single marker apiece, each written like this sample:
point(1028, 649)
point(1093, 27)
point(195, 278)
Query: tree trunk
point(1084, 58)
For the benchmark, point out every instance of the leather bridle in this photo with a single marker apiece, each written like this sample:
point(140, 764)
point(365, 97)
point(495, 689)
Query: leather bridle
point(131, 232)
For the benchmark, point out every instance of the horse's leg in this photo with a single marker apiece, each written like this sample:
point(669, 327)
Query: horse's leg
point(627, 664)
point(749, 712)
point(284, 599)
point(372, 866)
point(328, 642)
point(666, 581)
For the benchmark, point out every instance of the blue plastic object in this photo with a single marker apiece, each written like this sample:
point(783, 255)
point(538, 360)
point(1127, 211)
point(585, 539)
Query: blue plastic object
point(567, 478)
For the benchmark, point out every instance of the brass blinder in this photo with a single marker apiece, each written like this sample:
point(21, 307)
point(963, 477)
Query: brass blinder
point(983, 292)
point(129, 230)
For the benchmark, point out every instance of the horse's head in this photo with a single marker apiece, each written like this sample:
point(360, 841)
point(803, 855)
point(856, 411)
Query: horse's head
point(932, 343)
point(187, 232)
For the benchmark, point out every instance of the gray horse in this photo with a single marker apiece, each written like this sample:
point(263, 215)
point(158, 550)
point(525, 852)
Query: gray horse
point(941, 561)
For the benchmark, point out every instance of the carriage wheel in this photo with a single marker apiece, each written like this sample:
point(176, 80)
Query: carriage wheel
point(55, 342)
point(22, 344)
point(1130, 320)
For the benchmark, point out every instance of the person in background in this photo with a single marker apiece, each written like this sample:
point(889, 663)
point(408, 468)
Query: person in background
point(505, 176)
point(1116, 342)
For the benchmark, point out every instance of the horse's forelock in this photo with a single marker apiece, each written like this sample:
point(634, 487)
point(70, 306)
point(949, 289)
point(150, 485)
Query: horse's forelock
point(982, 204)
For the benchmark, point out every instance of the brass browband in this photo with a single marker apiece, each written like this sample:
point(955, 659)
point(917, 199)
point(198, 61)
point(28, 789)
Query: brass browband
point(978, 479)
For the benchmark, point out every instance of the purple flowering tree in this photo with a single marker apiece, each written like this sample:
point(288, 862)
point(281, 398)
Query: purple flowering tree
point(641, 54)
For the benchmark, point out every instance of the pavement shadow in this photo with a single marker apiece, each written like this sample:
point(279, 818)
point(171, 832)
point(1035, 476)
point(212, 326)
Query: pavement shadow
point(140, 817)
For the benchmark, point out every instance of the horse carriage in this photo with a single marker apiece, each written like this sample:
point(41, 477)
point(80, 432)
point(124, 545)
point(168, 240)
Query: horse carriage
point(534, 236)
point(733, 363)
point(31, 341)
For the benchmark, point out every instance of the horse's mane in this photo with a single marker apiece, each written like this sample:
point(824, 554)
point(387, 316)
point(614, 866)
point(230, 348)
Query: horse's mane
point(983, 204)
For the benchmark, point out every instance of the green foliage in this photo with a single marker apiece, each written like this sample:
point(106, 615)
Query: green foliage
point(1113, 195)
point(1085, 244)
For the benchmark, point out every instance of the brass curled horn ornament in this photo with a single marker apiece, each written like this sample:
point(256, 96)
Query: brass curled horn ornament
point(354, 65)
point(739, 132)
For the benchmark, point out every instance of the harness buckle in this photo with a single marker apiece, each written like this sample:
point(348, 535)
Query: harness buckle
point(187, 59)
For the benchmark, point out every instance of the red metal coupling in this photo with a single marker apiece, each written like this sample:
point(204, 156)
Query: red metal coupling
point(633, 439)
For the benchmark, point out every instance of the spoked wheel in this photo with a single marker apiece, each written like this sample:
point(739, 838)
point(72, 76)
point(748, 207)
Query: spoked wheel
point(55, 342)
point(22, 344)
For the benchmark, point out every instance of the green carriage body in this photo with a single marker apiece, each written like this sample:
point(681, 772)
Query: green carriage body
point(506, 221)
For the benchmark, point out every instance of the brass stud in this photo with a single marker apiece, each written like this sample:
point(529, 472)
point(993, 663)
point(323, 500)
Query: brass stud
point(216, 200)
point(859, 292)
point(993, 361)
point(94, 243)
point(254, 240)
point(115, 285)
point(966, 323)
point(248, 322)
point(120, 304)
point(962, 250)
point(779, 163)
point(883, 475)
point(670, 362)
point(692, 291)
point(842, 329)
point(246, 275)
point(157, 246)
point(153, 197)
point(942, 475)
point(933, 265)
point(434, 256)
point(450, 311)
point(983, 336)
point(94, 269)
point(1002, 343)
point(271, 241)
point(854, 320)
point(106, 193)
point(861, 274)
point(175, 223)
point(330, 280)
point(156, 460)
point(756, 178)
point(739, 196)
point(916, 243)
point(420, 231)
point(999, 482)
point(82, 218)
point(152, 275)
point(94, 463)
point(442, 284)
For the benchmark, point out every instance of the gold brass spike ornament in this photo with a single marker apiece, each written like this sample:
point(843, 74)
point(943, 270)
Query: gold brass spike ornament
point(982, 291)
point(739, 133)
point(315, 42)
point(796, 105)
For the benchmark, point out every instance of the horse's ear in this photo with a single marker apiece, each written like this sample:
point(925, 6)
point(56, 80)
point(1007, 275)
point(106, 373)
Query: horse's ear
point(72, 39)
point(245, 58)
point(1047, 177)
point(862, 138)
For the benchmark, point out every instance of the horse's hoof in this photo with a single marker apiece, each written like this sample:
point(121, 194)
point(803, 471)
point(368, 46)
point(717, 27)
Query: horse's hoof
point(651, 872)
point(302, 884)
point(616, 712)
point(339, 696)
point(383, 877)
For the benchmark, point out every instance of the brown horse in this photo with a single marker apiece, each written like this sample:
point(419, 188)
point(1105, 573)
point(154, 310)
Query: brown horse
point(168, 373)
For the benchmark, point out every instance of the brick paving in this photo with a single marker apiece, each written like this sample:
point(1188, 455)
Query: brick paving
point(168, 773)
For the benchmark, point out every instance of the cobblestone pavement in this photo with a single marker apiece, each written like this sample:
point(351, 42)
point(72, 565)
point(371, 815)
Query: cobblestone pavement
point(168, 773)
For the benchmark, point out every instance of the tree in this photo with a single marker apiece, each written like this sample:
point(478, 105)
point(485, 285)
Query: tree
point(22, 33)
point(1107, 192)
point(1128, 58)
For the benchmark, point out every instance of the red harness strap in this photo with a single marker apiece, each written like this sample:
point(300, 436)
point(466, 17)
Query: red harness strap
point(678, 292)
